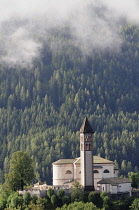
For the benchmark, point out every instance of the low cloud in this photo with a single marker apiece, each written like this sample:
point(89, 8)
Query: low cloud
point(94, 23)
point(19, 49)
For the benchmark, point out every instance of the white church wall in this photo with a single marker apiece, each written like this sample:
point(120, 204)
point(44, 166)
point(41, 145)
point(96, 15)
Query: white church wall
point(124, 187)
point(77, 172)
point(97, 176)
point(113, 189)
point(59, 174)
point(103, 188)
point(101, 175)
point(107, 188)
point(95, 182)
point(110, 168)
point(115, 173)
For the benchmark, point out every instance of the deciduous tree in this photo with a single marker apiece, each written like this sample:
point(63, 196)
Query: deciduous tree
point(134, 178)
point(21, 171)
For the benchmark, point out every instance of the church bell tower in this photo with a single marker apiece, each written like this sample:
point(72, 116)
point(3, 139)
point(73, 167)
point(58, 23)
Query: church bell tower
point(86, 154)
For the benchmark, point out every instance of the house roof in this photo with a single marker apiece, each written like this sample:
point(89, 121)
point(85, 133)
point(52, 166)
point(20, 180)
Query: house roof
point(114, 181)
point(86, 127)
point(97, 160)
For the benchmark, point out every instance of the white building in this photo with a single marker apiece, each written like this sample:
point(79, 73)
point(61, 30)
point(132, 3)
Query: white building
point(92, 172)
point(114, 185)
point(67, 170)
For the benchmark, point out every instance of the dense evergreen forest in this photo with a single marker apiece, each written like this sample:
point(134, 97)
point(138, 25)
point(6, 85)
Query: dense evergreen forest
point(42, 108)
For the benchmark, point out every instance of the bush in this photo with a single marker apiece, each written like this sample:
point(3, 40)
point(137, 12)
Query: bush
point(60, 193)
point(65, 200)
point(50, 192)
point(95, 198)
point(54, 200)
point(103, 194)
point(135, 204)
point(27, 198)
point(34, 199)
point(79, 206)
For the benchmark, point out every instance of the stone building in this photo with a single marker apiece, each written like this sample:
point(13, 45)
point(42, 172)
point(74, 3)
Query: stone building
point(92, 172)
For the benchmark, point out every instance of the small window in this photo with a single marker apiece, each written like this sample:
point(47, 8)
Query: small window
point(68, 172)
point(96, 171)
point(106, 171)
point(88, 146)
point(80, 172)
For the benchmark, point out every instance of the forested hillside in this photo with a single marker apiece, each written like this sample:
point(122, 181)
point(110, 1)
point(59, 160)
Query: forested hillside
point(42, 108)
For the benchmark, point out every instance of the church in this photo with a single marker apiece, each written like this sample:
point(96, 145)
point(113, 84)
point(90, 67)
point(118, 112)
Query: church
point(92, 172)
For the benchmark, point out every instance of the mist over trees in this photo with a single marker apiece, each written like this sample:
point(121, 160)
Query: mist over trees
point(42, 108)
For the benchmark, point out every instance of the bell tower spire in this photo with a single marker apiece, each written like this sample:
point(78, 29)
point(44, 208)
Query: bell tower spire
point(86, 153)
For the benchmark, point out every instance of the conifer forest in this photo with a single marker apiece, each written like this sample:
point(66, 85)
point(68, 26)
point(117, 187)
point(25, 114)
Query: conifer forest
point(42, 107)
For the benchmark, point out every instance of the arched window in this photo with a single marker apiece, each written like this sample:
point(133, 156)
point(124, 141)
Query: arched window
point(68, 172)
point(96, 171)
point(88, 146)
point(106, 171)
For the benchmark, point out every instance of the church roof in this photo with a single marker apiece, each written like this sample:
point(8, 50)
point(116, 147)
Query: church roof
point(86, 127)
point(114, 181)
point(97, 160)
point(64, 161)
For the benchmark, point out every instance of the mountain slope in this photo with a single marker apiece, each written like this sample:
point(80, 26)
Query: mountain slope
point(41, 109)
